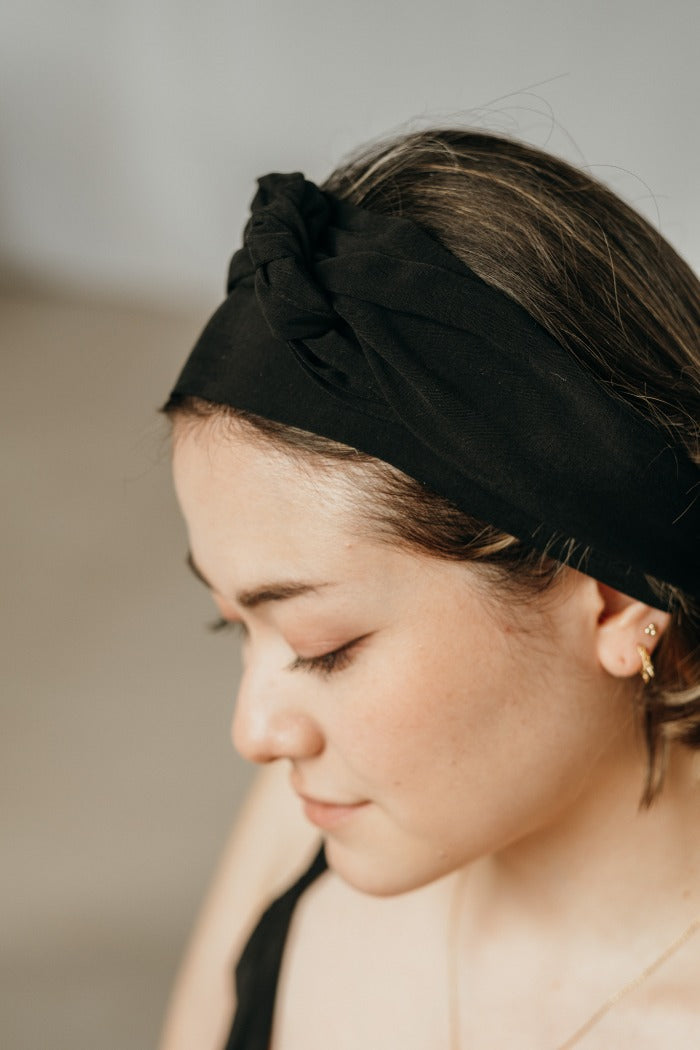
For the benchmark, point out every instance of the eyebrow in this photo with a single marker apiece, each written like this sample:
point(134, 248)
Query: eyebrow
point(267, 592)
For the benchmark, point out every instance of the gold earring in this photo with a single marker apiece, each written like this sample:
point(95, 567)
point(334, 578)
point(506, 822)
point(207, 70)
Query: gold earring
point(650, 629)
point(647, 670)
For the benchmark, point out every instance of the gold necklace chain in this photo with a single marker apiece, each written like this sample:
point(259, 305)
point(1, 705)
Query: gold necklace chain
point(597, 1014)
point(615, 998)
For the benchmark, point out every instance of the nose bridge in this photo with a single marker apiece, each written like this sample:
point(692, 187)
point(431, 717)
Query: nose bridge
point(270, 719)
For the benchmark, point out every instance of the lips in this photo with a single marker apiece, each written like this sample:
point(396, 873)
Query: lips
point(328, 815)
point(324, 813)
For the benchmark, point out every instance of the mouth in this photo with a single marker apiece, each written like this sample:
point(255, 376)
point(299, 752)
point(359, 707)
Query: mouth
point(329, 815)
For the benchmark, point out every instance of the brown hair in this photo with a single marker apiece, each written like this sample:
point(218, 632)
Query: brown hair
point(604, 284)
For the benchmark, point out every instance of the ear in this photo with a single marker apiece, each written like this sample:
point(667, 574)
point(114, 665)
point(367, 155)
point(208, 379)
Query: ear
point(623, 624)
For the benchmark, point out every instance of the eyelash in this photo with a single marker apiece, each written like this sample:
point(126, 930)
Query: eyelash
point(220, 624)
point(326, 664)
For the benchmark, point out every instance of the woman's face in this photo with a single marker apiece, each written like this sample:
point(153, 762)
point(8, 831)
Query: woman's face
point(437, 720)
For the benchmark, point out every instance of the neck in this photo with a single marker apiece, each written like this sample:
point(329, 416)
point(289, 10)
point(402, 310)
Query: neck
point(605, 863)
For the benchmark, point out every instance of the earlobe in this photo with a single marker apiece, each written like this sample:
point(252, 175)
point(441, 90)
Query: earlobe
point(627, 634)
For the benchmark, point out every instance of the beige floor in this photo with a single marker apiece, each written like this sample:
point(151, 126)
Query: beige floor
point(117, 780)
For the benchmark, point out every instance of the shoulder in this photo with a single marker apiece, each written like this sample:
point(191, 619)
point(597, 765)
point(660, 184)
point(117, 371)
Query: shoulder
point(269, 847)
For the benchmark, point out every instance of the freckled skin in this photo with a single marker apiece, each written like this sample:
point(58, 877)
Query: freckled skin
point(467, 724)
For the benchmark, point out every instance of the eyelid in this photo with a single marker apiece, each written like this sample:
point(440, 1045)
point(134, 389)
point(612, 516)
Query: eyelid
point(327, 663)
point(222, 624)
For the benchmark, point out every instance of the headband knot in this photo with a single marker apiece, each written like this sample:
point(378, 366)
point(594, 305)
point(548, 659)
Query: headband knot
point(284, 235)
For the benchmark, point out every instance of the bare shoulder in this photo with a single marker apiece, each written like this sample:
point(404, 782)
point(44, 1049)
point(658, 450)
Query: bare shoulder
point(269, 846)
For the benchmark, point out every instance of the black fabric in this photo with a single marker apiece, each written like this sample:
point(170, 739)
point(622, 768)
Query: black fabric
point(257, 972)
point(363, 328)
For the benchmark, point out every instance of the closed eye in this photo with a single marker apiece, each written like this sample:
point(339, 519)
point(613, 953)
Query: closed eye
point(327, 663)
point(221, 624)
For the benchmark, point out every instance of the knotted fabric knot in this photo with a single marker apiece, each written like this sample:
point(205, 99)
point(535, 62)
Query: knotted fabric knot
point(283, 237)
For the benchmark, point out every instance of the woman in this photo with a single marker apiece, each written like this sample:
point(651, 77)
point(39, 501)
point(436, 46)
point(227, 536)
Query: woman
point(438, 457)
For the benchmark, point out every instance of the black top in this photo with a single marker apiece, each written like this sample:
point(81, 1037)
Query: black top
point(258, 969)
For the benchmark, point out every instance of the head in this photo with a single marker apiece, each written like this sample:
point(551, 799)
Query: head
point(450, 611)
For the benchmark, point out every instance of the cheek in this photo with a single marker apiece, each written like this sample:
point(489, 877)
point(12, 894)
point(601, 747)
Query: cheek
point(484, 742)
point(416, 722)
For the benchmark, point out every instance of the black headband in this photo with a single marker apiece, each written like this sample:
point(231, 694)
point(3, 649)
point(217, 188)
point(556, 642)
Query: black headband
point(364, 329)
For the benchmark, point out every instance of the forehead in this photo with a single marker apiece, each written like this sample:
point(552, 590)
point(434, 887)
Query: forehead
point(244, 498)
point(227, 467)
point(256, 514)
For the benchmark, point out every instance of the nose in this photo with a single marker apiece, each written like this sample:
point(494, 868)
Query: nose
point(267, 724)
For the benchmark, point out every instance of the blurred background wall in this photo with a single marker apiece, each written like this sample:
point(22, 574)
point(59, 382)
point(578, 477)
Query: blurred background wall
point(130, 135)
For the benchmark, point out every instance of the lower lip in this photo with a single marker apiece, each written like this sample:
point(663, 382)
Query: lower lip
point(328, 816)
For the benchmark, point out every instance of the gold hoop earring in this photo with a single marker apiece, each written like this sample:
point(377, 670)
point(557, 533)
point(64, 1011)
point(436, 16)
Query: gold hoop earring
point(647, 669)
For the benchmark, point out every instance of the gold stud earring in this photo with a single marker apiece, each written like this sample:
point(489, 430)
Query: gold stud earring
point(647, 669)
point(650, 629)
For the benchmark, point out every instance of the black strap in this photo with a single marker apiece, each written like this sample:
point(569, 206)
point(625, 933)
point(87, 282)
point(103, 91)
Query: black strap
point(258, 969)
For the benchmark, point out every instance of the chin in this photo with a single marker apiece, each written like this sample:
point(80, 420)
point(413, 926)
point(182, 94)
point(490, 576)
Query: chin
point(383, 874)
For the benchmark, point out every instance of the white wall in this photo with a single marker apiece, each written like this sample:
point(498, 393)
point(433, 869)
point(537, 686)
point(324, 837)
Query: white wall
point(132, 130)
